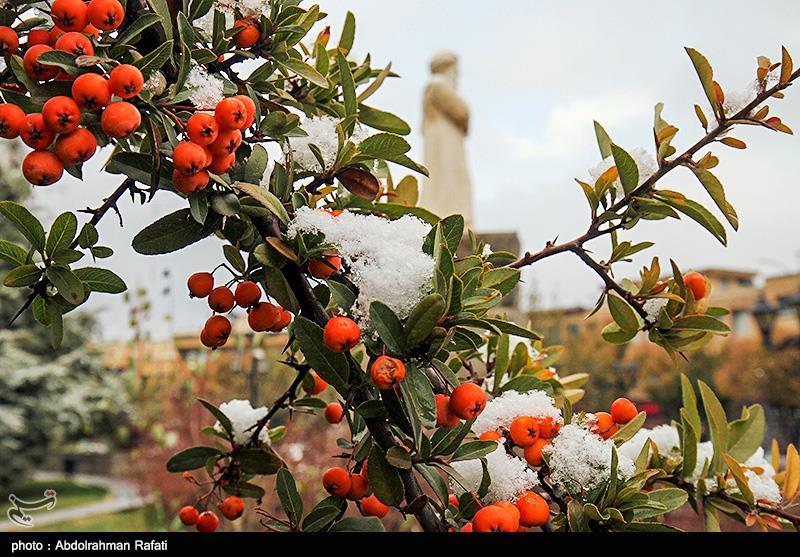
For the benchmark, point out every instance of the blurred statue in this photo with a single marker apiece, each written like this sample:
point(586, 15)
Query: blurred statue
point(444, 126)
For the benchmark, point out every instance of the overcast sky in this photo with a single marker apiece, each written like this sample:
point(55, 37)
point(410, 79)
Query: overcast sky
point(535, 75)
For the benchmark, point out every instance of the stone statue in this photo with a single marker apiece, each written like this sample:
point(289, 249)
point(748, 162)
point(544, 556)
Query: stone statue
point(445, 125)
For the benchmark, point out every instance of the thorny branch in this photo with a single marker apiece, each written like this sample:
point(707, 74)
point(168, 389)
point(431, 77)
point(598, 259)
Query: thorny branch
point(594, 231)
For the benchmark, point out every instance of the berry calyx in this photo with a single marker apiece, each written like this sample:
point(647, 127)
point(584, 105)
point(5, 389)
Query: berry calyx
point(341, 334)
point(200, 285)
point(467, 401)
point(623, 411)
point(386, 372)
point(336, 481)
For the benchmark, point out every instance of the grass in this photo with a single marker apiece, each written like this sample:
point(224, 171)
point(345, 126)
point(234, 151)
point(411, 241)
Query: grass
point(137, 520)
point(68, 492)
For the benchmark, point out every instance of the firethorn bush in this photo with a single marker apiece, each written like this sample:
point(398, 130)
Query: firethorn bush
point(453, 413)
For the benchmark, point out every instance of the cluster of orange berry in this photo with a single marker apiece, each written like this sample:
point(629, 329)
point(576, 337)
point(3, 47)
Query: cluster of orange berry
point(530, 510)
point(532, 434)
point(212, 144)
point(59, 120)
point(354, 487)
point(261, 316)
point(622, 411)
point(208, 521)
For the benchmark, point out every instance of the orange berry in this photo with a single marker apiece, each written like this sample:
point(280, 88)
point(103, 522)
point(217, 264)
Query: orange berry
point(623, 411)
point(76, 147)
point(533, 510)
point(467, 401)
point(511, 509)
point(324, 267)
point(188, 515)
point(12, 118)
point(120, 119)
point(533, 452)
point(207, 522)
point(230, 114)
point(452, 500)
point(386, 372)
point(226, 143)
point(232, 507)
point(75, 43)
point(314, 384)
point(336, 481)
point(202, 128)
point(524, 431)
point(443, 416)
point(490, 436)
point(372, 506)
point(248, 35)
point(69, 15)
point(211, 342)
point(494, 519)
point(697, 283)
point(358, 487)
point(188, 184)
point(54, 35)
point(247, 294)
point(334, 414)
point(61, 114)
point(36, 133)
point(604, 425)
point(218, 327)
point(106, 14)
point(35, 69)
point(341, 334)
point(42, 168)
point(263, 316)
point(548, 427)
point(126, 81)
point(200, 285)
point(90, 30)
point(221, 165)
point(9, 41)
point(91, 91)
point(250, 107)
point(38, 36)
point(283, 321)
point(467, 527)
point(188, 158)
point(221, 299)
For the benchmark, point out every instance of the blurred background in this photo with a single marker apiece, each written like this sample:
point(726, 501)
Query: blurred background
point(97, 419)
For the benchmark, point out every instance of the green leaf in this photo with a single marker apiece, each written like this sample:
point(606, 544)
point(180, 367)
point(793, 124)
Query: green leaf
point(261, 461)
point(171, 233)
point(388, 327)
point(384, 146)
point(290, 499)
point(256, 164)
point(420, 393)
point(265, 198)
point(623, 314)
point(384, 478)
point(68, 284)
point(701, 323)
point(24, 275)
point(348, 86)
point(383, 121)
point(320, 517)
point(706, 74)
point(25, 222)
point(746, 434)
point(473, 450)
point(629, 430)
point(304, 70)
point(137, 25)
point(101, 280)
point(61, 233)
point(423, 318)
point(399, 458)
point(55, 317)
point(717, 192)
point(741, 479)
point(153, 60)
point(348, 33)
point(223, 420)
point(613, 334)
point(697, 213)
point(626, 167)
point(331, 366)
point(191, 458)
point(358, 524)
point(342, 295)
point(513, 328)
point(603, 140)
point(690, 402)
point(13, 253)
point(717, 424)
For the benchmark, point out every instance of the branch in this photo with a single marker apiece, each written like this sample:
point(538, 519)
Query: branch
point(280, 402)
point(610, 283)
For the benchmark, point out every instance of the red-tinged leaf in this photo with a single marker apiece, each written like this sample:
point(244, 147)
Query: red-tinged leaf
point(786, 65)
point(359, 182)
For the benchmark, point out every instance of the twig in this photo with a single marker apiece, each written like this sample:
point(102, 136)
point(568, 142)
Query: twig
point(281, 402)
